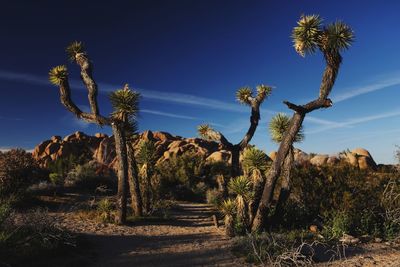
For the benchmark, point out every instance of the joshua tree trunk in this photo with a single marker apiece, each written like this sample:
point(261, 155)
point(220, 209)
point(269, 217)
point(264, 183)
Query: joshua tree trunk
point(229, 231)
point(235, 165)
point(134, 186)
point(120, 149)
point(333, 61)
point(258, 185)
point(222, 185)
point(147, 187)
point(284, 191)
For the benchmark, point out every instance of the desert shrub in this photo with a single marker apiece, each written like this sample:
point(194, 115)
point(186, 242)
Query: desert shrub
point(86, 177)
point(56, 179)
point(289, 249)
point(214, 197)
point(344, 198)
point(179, 176)
point(390, 202)
point(105, 210)
point(5, 210)
point(18, 170)
point(62, 165)
point(32, 233)
point(337, 225)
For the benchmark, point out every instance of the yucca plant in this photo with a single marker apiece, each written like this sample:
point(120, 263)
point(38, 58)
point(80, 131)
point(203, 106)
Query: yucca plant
point(308, 37)
point(255, 164)
point(228, 210)
point(245, 96)
point(241, 187)
point(254, 159)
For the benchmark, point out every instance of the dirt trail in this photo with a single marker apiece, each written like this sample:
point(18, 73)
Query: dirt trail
point(188, 239)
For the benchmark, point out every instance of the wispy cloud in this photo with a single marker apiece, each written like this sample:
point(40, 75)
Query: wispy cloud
point(171, 97)
point(381, 82)
point(354, 121)
point(167, 114)
point(10, 118)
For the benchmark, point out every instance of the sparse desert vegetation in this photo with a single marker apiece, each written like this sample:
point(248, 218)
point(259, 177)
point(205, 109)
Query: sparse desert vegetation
point(151, 198)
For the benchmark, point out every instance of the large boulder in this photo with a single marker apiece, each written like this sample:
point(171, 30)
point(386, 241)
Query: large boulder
point(221, 155)
point(319, 160)
point(361, 158)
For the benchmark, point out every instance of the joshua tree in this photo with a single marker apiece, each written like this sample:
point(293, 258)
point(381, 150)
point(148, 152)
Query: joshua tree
point(277, 128)
point(245, 96)
point(255, 164)
point(125, 103)
point(59, 77)
point(147, 159)
point(308, 36)
point(228, 209)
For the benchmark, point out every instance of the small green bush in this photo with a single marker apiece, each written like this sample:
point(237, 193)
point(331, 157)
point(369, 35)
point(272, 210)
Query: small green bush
point(179, 176)
point(86, 177)
point(105, 209)
point(56, 179)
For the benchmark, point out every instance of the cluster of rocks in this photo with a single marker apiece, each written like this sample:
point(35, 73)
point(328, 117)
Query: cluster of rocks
point(358, 157)
point(100, 147)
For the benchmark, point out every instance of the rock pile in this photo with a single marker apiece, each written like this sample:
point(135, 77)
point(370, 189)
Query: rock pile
point(100, 147)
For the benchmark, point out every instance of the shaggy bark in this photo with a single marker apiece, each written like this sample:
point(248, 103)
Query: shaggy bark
point(120, 149)
point(333, 60)
point(133, 179)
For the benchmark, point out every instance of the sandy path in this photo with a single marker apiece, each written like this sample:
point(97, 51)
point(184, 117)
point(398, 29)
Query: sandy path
point(189, 239)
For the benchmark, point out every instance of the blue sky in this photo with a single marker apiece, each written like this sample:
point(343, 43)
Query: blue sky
point(188, 58)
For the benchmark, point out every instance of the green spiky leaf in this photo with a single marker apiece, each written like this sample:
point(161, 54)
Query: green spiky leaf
point(240, 185)
point(338, 36)
point(255, 159)
point(306, 34)
point(204, 130)
point(125, 103)
point(228, 207)
point(263, 91)
point(147, 153)
point(74, 48)
point(279, 125)
point(244, 95)
point(58, 74)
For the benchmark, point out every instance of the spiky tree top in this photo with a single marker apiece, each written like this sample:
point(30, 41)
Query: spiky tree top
point(279, 125)
point(309, 35)
point(245, 95)
point(74, 49)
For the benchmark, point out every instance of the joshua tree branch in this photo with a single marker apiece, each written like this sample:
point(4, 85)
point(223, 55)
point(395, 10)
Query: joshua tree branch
point(310, 106)
point(254, 119)
point(86, 74)
point(65, 97)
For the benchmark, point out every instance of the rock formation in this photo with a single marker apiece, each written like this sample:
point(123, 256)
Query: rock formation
point(100, 147)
